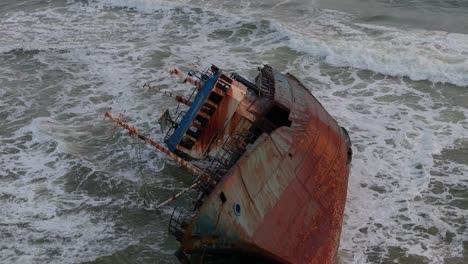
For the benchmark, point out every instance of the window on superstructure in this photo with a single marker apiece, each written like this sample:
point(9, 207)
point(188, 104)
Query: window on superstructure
point(223, 86)
point(226, 79)
point(215, 98)
point(208, 109)
point(200, 120)
point(194, 132)
point(187, 143)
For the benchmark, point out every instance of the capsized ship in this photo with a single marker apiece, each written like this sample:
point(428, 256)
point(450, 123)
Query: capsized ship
point(274, 187)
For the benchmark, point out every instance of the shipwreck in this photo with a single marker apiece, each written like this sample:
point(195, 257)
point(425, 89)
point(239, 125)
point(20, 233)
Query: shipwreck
point(274, 187)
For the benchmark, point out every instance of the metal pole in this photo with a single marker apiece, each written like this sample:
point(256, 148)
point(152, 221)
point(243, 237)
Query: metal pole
point(178, 98)
point(195, 185)
point(204, 177)
point(188, 79)
point(182, 100)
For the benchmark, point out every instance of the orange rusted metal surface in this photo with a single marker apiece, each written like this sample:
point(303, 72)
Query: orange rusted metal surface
point(221, 123)
point(278, 166)
point(290, 186)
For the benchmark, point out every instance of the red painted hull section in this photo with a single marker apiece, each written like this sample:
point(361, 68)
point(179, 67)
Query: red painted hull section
point(291, 187)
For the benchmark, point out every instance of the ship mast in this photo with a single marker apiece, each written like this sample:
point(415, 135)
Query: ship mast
point(204, 177)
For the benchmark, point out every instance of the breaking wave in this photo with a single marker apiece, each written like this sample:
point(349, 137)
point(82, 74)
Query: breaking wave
point(418, 55)
point(435, 56)
point(72, 186)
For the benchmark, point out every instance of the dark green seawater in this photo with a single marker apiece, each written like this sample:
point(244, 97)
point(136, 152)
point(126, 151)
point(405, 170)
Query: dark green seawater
point(76, 189)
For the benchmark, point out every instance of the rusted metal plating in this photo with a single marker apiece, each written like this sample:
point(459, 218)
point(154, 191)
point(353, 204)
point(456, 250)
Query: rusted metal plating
point(218, 118)
point(284, 199)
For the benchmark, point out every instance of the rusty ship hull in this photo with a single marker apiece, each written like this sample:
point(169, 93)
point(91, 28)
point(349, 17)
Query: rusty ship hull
point(285, 197)
point(275, 187)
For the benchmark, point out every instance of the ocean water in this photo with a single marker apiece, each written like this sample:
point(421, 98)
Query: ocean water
point(76, 189)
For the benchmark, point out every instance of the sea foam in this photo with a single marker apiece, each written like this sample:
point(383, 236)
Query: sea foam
point(418, 55)
point(435, 56)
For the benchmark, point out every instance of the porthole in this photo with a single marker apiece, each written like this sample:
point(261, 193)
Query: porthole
point(237, 209)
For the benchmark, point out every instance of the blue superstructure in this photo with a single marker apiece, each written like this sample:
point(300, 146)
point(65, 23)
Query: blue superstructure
point(197, 103)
